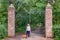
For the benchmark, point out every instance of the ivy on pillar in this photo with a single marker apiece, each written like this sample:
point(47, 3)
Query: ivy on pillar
point(11, 21)
point(48, 21)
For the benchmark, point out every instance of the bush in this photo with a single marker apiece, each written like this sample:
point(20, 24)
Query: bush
point(3, 31)
point(21, 29)
point(56, 31)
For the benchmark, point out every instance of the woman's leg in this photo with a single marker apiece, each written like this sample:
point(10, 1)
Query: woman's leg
point(28, 33)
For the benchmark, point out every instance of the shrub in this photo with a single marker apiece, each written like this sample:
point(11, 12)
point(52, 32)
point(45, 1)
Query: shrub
point(3, 31)
point(56, 31)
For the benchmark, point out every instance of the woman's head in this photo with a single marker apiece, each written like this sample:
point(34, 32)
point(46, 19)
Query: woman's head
point(28, 24)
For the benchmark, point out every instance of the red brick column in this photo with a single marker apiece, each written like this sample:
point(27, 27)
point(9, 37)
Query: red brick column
point(11, 21)
point(48, 21)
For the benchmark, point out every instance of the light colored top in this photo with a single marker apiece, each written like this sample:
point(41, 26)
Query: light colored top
point(28, 28)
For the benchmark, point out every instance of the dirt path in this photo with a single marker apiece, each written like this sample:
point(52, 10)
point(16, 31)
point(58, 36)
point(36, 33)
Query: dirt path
point(35, 35)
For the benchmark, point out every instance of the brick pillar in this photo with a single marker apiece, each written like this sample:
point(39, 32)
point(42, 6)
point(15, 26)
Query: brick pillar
point(48, 21)
point(11, 21)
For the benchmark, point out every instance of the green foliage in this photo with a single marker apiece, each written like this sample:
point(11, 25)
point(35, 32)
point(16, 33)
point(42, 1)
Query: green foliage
point(56, 31)
point(56, 12)
point(56, 19)
point(3, 18)
point(29, 11)
point(3, 31)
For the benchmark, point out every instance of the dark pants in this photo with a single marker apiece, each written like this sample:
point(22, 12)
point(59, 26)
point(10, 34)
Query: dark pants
point(28, 33)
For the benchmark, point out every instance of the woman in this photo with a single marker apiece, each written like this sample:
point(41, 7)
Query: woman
point(28, 30)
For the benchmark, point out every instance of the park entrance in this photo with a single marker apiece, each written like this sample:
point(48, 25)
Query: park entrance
point(47, 20)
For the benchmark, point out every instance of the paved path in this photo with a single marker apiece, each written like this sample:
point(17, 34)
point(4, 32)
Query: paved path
point(35, 35)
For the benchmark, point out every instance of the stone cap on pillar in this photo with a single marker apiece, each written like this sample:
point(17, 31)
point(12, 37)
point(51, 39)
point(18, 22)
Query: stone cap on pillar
point(48, 6)
point(11, 5)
